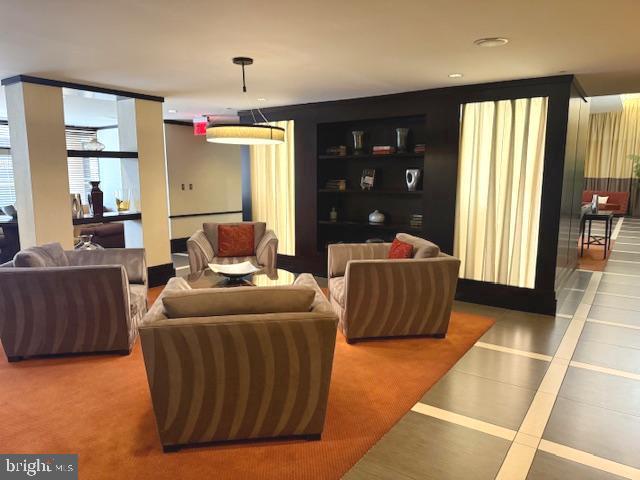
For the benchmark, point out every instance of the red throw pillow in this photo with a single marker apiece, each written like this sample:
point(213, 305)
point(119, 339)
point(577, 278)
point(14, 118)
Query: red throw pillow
point(236, 240)
point(400, 249)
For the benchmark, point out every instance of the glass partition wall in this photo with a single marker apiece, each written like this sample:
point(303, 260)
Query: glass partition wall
point(499, 190)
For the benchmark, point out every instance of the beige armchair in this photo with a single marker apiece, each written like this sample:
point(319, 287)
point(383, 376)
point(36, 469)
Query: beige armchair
point(238, 376)
point(54, 301)
point(202, 248)
point(379, 297)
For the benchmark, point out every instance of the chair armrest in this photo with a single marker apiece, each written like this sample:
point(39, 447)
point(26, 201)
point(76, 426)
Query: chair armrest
point(267, 250)
point(64, 309)
point(132, 259)
point(200, 251)
point(340, 254)
point(237, 372)
point(320, 302)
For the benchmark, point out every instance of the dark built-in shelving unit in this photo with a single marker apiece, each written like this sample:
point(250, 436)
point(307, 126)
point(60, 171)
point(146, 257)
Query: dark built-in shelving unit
point(389, 195)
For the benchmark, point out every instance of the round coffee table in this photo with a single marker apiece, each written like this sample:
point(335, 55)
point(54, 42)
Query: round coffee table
point(263, 278)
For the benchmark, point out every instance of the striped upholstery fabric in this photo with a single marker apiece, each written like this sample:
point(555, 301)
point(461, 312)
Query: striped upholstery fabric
point(202, 252)
point(239, 376)
point(341, 254)
point(71, 309)
point(386, 298)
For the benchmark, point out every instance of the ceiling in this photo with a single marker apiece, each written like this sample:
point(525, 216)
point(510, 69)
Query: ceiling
point(314, 51)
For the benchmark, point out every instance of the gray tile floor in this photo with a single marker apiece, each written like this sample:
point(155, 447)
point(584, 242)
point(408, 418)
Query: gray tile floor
point(591, 429)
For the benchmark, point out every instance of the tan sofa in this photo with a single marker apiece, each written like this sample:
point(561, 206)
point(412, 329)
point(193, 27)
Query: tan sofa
point(242, 376)
point(379, 297)
point(202, 247)
point(54, 301)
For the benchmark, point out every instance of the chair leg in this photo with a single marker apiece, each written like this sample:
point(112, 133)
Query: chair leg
point(351, 341)
point(15, 358)
point(123, 352)
point(439, 335)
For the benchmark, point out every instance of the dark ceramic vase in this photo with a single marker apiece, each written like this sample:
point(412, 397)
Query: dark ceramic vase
point(96, 198)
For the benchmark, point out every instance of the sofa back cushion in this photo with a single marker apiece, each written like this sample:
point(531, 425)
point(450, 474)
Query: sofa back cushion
point(236, 240)
point(47, 255)
point(211, 302)
point(210, 230)
point(421, 248)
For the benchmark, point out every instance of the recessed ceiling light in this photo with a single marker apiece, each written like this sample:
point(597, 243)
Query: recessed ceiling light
point(262, 99)
point(172, 110)
point(491, 42)
point(455, 75)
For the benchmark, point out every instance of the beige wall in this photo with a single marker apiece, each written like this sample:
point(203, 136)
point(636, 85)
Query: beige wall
point(39, 152)
point(213, 169)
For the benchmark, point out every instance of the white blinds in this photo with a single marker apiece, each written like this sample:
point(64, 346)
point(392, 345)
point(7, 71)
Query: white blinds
point(7, 189)
point(81, 170)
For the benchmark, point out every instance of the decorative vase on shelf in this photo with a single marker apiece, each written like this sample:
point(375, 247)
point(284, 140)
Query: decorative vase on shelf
point(413, 177)
point(333, 215)
point(76, 206)
point(123, 200)
point(358, 142)
point(83, 242)
point(376, 217)
point(401, 139)
point(93, 146)
point(96, 198)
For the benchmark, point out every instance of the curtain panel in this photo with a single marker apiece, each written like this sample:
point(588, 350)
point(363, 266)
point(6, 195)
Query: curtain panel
point(499, 190)
point(273, 187)
point(613, 136)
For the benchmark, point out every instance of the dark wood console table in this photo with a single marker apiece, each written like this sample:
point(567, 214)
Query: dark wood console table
point(108, 217)
point(589, 217)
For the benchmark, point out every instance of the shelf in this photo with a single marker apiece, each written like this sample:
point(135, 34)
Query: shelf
point(383, 191)
point(102, 154)
point(386, 226)
point(108, 217)
point(371, 156)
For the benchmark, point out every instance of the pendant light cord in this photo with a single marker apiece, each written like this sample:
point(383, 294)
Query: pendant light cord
point(244, 85)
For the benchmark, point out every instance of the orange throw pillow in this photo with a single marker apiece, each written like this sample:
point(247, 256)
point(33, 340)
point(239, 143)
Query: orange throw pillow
point(236, 240)
point(400, 249)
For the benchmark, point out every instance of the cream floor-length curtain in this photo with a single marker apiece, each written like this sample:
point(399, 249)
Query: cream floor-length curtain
point(499, 190)
point(273, 187)
point(613, 136)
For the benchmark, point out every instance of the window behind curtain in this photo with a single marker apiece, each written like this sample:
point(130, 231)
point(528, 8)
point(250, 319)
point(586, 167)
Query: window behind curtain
point(499, 190)
point(81, 170)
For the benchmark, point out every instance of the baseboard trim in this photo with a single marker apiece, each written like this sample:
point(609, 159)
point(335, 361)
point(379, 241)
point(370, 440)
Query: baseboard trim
point(160, 274)
point(505, 296)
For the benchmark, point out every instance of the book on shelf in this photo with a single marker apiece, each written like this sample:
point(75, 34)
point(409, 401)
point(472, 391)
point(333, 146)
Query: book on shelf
point(336, 184)
point(338, 150)
point(383, 149)
point(419, 148)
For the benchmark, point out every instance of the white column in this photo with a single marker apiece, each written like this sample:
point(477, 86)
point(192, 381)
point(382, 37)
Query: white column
point(39, 154)
point(141, 129)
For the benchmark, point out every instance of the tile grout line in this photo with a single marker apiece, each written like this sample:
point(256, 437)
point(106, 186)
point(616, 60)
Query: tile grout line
point(519, 458)
point(616, 229)
point(514, 351)
point(608, 371)
point(614, 324)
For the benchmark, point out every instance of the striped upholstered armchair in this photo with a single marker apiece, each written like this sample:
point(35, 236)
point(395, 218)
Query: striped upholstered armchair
point(54, 301)
point(379, 297)
point(235, 375)
point(203, 247)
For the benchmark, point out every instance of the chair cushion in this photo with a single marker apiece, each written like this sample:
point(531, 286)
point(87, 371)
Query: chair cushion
point(236, 240)
point(400, 249)
point(336, 289)
point(211, 302)
point(47, 255)
point(210, 230)
point(421, 248)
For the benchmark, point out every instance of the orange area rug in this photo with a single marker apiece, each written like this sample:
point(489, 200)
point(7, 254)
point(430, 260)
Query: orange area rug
point(99, 407)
